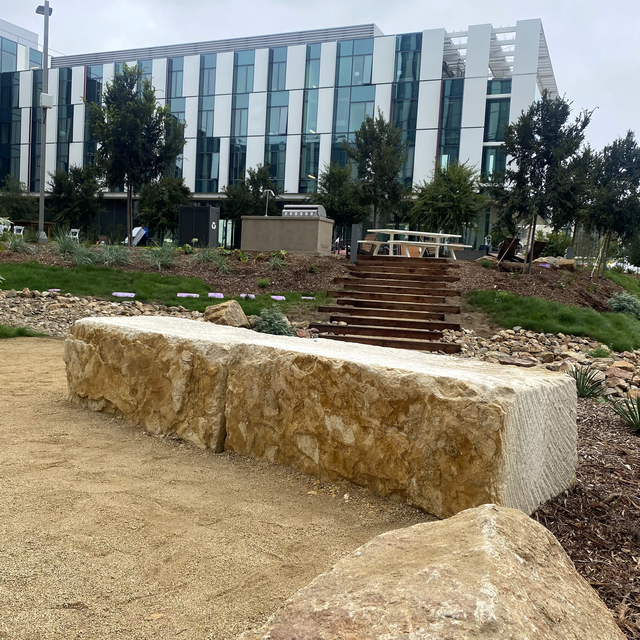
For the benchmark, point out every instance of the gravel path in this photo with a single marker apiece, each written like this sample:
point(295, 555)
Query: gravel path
point(106, 532)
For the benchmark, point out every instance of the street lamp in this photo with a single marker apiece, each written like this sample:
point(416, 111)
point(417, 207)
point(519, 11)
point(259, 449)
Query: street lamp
point(266, 209)
point(46, 102)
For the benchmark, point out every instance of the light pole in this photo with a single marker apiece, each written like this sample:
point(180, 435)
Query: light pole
point(46, 103)
point(266, 209)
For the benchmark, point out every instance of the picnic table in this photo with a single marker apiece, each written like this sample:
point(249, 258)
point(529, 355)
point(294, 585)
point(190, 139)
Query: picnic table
point(429, 240)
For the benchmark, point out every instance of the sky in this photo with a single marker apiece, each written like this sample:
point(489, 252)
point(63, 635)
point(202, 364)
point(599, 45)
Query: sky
point(594, 45)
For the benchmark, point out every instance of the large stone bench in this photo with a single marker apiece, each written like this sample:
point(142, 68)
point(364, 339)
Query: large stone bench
point(442, 433)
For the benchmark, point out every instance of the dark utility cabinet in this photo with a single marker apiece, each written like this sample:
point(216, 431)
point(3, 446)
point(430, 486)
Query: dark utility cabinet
point(199, 222)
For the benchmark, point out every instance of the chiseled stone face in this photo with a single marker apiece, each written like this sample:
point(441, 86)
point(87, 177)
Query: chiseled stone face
point(442, 433)
point(488, 573)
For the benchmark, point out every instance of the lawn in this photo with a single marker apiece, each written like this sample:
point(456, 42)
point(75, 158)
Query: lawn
point(17, 332)
point(148, 287)
point(620, 332)
point(628, 282)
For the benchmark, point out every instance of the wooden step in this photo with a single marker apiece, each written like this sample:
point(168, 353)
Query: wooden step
point(430, 270)
point(398, 343)
point(424, 290)
point(393, 321)
point(383, 332)
point(401, 306)
point(383, 313)
point(410, 277)
point(391, 297)
point(401, 260)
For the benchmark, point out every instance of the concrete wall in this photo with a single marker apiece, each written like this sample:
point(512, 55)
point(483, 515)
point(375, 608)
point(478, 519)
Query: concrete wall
point(309, 236)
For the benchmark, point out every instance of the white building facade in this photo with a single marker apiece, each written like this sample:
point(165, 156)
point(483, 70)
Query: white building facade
point(288, 100)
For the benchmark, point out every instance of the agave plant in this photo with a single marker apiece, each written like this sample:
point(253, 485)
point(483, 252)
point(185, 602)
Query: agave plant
point(589, 381)
point(629, 410)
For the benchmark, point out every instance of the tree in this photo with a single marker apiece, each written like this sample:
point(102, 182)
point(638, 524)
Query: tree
point(378, 153)
point(539, 181)
point(160, 202)
point(338, 194)
point(246, 197)
point(75, 198)
point(15, 201)
point(138, 140)
point(616, 203)
point(450, 203)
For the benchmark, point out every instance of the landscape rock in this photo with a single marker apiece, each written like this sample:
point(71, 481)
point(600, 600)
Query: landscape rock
point(488, 573)
point(228, 313)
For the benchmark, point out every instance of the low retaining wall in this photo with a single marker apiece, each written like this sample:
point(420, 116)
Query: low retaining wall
point(485, 573)
point(309, 236)
point(442, 433)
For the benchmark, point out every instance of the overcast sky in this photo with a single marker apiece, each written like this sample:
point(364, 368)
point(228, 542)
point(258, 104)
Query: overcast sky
point(594, 45)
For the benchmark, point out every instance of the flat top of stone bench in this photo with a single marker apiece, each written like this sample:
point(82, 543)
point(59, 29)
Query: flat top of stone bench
point(470, 369)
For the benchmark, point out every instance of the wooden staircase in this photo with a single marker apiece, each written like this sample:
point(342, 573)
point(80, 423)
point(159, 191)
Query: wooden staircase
point(398, 302)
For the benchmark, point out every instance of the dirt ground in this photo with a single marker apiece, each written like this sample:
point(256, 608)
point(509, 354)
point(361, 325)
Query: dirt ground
point(106, 532)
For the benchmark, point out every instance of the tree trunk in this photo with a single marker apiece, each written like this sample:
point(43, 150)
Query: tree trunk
point(575, 233)
point(607, 242)
point(533, 242)
point(130, 214)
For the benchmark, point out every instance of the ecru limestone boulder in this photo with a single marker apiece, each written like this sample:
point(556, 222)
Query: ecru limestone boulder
point(488, 573)
point(442, 433)
point(228, 313)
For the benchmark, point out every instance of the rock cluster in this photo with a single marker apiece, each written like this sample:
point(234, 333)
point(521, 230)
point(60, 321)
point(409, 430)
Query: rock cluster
point(488, 573)
point(555, 352)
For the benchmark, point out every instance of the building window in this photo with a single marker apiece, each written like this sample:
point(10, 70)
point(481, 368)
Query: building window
point(496, 117)
point(354, 63)
point(237, 160)
point(93, 94)
point(404, 106)
point(243, 71)
point(10, 123)
point(208, 74)
point(205, 116)
point(177, 107)
point(352, 105)
point(175, 69)
point(277, 69)
point(35, 59)
point(497, 87)
point(8, 55)
point(118, 67)
point(309, 164)
point(275, 156)
point(494, 162)
point(207, 165)
point(65, 119)
point(239, 115)
point(145, 71)
point(408, 53)
point(277, 113)
point(450, 121)
point(310, 111)
point(312, 73)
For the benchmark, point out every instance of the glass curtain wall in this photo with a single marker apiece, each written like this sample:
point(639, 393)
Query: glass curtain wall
point(36, 137)
point(175, 71)
point(277, 116)
point(35, 59)
point(144, 69)
point(310, 145)
point(208, 147)
point(404, 104)
point(355, 95)
point(65, 119)
point(494, 162)
point(93, 93)
point(10, 123)
point(450, 121)
point(8, 55)
point(243, 67)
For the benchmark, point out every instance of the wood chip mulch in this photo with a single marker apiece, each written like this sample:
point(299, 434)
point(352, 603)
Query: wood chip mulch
point(598, 521)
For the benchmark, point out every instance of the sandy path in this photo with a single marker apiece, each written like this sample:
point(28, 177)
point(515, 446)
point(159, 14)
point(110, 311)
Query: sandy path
point(106, 532)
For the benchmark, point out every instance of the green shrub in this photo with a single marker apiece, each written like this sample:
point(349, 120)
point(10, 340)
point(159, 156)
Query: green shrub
point(115, 255)
point(600, 352)
point(263, 283)
point(164, 256)
point(187, 248)
point(589, 382)
point(241, 255)
point(273, 321)
point(629, 410)
point(487, 264)
point(219, 260)
point(557, 243)
point(313, 268)
point(276, 263)
point(31, 235)
point(18, 245)
point(83, 255)
point(624, 302)
point(63, 244)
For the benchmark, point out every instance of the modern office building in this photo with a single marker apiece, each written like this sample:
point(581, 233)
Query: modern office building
point(287, 100)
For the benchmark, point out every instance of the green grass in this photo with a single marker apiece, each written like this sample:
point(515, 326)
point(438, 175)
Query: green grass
point(149, 287)
point(621, 332)
point(17, 332)
point(627, 282)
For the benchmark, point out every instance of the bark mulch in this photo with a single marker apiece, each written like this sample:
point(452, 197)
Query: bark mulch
point(598, 521)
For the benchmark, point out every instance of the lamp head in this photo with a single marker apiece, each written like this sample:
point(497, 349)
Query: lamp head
point(40, 10)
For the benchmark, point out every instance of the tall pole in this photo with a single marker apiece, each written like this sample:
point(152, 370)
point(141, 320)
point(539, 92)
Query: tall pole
point(42, 236)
